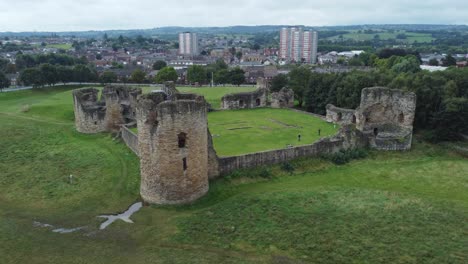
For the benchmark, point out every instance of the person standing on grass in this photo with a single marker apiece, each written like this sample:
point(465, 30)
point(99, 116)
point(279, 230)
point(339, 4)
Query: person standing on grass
point(299, 137)
point(319, 131)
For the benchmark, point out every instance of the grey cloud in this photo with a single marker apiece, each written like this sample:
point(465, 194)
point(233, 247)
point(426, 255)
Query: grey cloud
point(65, 15)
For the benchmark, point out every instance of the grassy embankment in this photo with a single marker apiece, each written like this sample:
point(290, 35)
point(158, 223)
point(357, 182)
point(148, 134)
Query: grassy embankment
point(394, 207)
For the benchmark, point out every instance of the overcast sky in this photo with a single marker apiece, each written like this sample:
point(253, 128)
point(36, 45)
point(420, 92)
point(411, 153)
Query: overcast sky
point(66, 15)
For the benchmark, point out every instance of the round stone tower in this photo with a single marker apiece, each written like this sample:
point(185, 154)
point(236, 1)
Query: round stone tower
point(173, 147)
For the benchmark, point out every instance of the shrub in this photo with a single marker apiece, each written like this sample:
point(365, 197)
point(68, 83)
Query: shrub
point(265, 173)
point(287, 167)
point(345, 156)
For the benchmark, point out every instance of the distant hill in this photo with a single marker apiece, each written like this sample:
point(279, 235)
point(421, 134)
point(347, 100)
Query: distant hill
point(231, 30)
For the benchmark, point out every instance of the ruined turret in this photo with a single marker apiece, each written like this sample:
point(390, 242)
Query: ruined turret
point(173, 147)
point(90, 112)
point(116, 107)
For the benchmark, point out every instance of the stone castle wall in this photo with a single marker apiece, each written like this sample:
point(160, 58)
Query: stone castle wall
point(347, 138)
point(380, 106)
point(115, 108)
point(340, 116)
point(172, 173)
point(130, 139)
point(248, 100)
point(283, 99)
point(90, 112)
point(387, 116)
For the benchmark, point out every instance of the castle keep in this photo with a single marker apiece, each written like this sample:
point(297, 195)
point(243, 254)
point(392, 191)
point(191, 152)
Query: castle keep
point(175, 147)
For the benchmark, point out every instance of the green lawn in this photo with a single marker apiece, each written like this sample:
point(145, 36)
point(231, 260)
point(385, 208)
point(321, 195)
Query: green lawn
point(212, 95)
point(64, 46)
point(247, 131)
point(392, 207)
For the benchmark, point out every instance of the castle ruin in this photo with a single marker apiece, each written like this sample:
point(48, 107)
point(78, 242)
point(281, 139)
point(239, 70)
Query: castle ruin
point(247, 100)
point(106, 114)
point(385, 115)
point(177, 157)
point(282, 99)
point(173, 147)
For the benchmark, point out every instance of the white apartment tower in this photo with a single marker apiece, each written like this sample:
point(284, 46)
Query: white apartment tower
point(298, 45)
point(188, 44)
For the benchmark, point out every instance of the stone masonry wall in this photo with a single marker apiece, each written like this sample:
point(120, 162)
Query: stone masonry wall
point(283, 99)
point(347, 138)
point(89, 111)
point(130, 139)
point(247, 100)
point(340, 116)
point(171, 174)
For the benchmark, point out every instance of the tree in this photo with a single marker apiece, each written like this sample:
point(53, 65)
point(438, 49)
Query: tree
point(409, 63)
point(49, 73)
point(31, 76)
point(196, 74)
point(278, 82)
point(433, 62)
point(158, 65)
point(299, 81)
point(221, 76)
point(166, 74)
point(64, 74)
point(449, 60)
point(3, 65)
point(108, 77)
point(239, 55)
point(237, 76)
point(81, 73)
point(451, 121)
point(138, 76)
point(256, 47)
point(4, 81)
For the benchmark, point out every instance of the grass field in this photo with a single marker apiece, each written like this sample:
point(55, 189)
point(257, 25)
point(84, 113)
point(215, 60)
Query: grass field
point(411, 36)
point(212, 95)
point(246, 131)
point(64, 46)
point(393, 207)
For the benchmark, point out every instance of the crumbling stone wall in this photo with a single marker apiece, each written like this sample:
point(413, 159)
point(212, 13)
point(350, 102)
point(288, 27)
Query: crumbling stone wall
point(90, 112)
point(340, 116)
point(115, 108)
point(248, 100)
point(173, 148)
point(283, 99)
point(120, 106)
point(387, 116)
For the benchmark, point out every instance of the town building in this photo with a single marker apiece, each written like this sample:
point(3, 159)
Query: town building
point(298, 45)
point(188, 44)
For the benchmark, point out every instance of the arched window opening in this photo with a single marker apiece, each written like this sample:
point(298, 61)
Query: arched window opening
point(354, 119)
point(184, 163)
point(257, 101)
point(241, 103)
point(182, 140)
point(376, 131)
